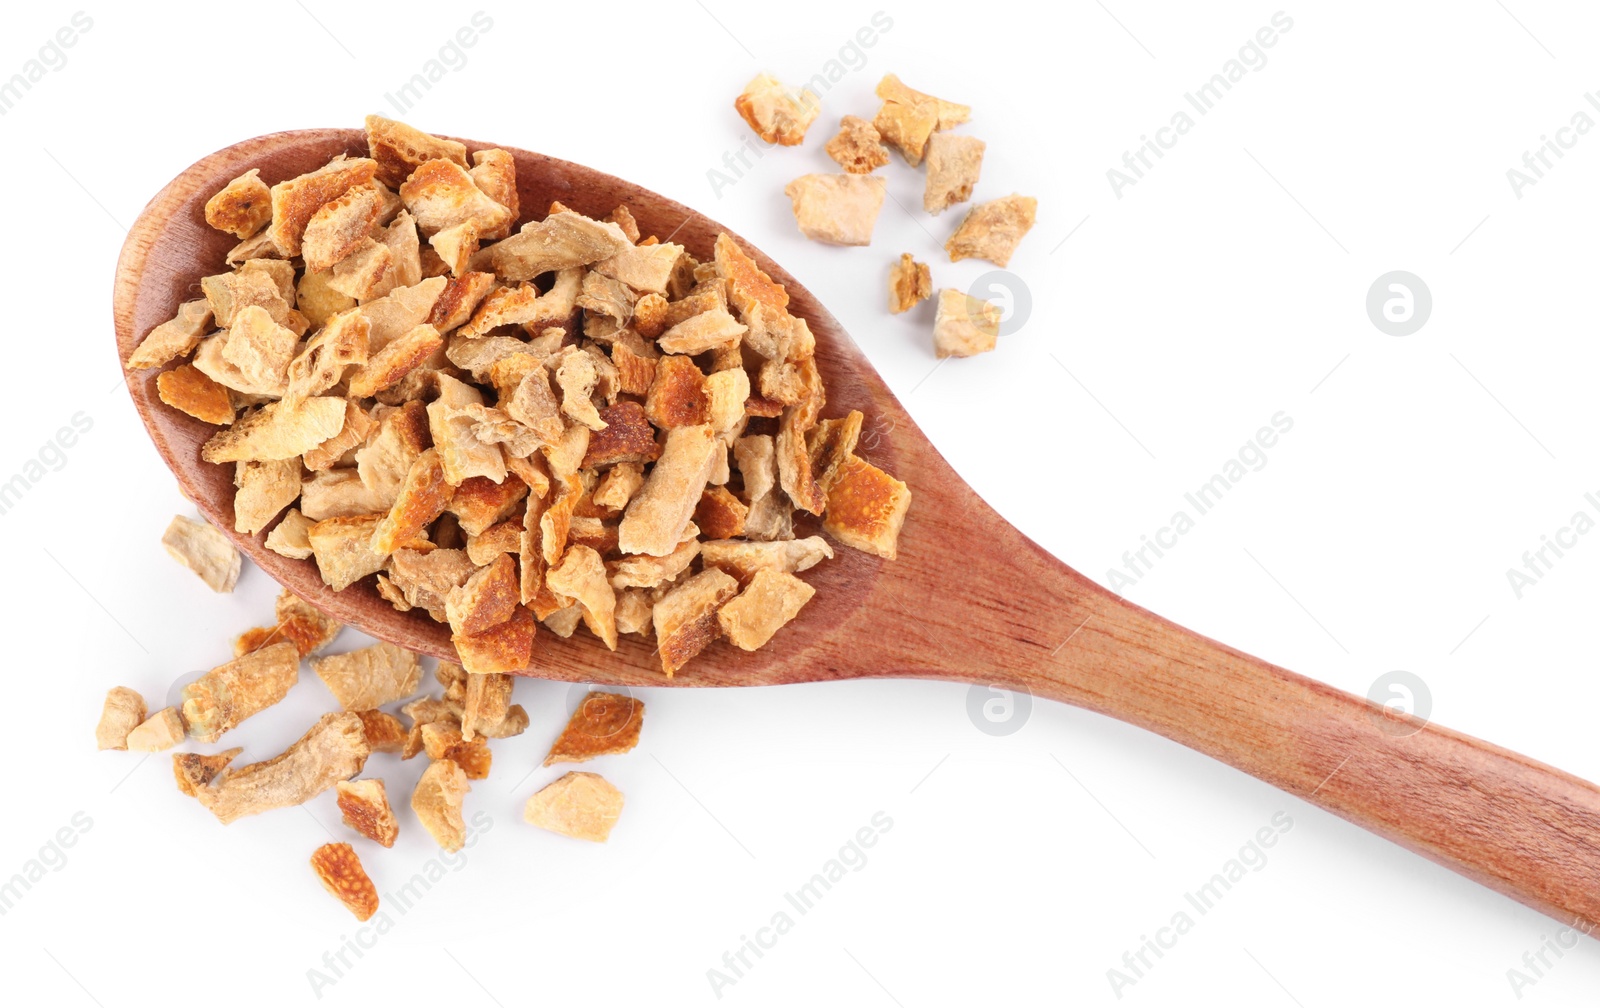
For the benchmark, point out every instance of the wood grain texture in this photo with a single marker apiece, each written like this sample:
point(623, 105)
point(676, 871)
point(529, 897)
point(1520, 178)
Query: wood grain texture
point(1021, 619)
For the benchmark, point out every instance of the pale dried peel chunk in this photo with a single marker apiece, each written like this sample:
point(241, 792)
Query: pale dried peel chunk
point(645, 268)
point(384, 732)
point(560, 241)
point(341, 342)
point(456, 245)
point(954, 162)
point(633, 611)
point(339, 226)
point(203, 550)
point(964, 325)
point(161, 730)
point(767, 603)
point(906, 128)
point(437, 803)
point(242, 207)
point(343, 548)
point(426, 577)
point(603, 724)
point(758, 464)
point(401, 310)
point(319, 302)
point(992, 230)
point(365, 806)
point(369, 677)
point(776, 112)
point(581, 805)
point(581, 576)
point(856, 147)
point(836, 209)
point(440, 194)
point(726, 394)
point(946, 113)
point(334, 749)
point(122, 712)
point(706, 331)
point(866, 507)
point(650, 571)
point(604, 322)
point(623, 218)
point(258, 246)
point(454, 680)
point(191, 390)
point(358, 424)
point(685, 619)
point(617, 487)
point(174, 338)
point(290, 536)
point(227, 294)
point(338, 493)
point(908, 117)
point(495, 172)
point(460, 452)
point(909, 282)
point(367, 272)
point(770, 517)
point(192, 771)
point(503, 306)
point(564, 458)
point(487, 708)
point(576, 377)
point(743, 560)
point(392, 594)
point(281, 272)
point(278, 431)
point(383, 462)
point(259, 349)
point(656, 518)
point(535, 406)
point(264, 490)
point(405, 250)
point(494, 426)
point(427, 710)
point(340, 871)
point(224, 697)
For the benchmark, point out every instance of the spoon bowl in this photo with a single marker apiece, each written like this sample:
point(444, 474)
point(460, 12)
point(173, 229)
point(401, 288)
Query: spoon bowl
point(170, 247)
point(969, 598)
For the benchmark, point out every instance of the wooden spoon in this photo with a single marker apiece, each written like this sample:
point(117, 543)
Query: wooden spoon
point(969, 599)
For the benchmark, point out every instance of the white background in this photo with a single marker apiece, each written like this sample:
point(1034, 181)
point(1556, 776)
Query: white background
point(1166, 326)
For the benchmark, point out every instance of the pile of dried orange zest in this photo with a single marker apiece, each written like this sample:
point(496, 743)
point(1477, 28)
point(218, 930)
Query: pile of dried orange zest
point(843, 209)
point(452, 730)
point(561, 424)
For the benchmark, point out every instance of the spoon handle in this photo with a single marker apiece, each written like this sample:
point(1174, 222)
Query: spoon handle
point(1525, 829)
